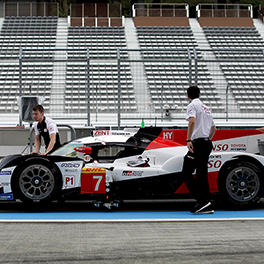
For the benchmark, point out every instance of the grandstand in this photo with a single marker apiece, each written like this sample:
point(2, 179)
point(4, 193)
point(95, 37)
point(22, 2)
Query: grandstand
point(38, 33)
point(103, 43)
point(162, 52)
point(171, 78)
point(243, 76)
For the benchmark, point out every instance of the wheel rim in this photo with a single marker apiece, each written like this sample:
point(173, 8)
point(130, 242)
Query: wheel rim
point(36, 182)
point(242, 184)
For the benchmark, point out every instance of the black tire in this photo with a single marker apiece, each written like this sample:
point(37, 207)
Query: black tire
point(37, 181)
point(240, 183)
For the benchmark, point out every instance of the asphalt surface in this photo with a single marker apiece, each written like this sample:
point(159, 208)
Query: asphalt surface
point(188, 242)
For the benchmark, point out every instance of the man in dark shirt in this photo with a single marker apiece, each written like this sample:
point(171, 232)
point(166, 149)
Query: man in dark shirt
point(47, 129)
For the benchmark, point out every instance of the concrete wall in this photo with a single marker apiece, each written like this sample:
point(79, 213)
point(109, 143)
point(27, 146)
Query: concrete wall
point(225, 22)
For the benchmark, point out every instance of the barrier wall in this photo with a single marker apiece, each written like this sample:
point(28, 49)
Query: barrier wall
point(161, 21)
point(225, 22)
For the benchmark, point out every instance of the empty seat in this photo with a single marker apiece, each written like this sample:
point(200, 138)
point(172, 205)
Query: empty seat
point(168, 81)
point(244, 78)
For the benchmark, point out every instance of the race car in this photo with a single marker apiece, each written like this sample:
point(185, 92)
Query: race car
point(146, 164)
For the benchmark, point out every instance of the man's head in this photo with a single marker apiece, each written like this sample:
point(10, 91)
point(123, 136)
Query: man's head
point(38, 113)
point(193, 92)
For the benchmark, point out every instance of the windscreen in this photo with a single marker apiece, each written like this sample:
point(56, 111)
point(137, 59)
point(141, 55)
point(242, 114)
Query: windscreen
point(67, 150)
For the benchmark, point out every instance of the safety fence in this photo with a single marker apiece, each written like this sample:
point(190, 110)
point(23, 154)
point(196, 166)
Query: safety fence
point(160, 10)
point(96, 14)
point(224, 10)
point(22, 9)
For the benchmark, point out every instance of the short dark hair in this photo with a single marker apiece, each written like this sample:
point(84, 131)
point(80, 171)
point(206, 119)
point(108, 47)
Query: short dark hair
point(193, 92)
point(39, 108)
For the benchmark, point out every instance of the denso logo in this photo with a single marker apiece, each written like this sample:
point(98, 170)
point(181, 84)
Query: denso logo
point(220, 147)
point(214, 164)
point(70, 165)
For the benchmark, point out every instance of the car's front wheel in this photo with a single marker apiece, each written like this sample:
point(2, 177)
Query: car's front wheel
point(241, 183)
point(36, 181)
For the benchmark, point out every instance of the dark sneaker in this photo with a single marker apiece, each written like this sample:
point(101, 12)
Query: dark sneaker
point(203, 208)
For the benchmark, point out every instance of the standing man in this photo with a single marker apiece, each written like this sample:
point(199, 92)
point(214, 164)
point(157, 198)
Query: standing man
point(201, 129)
point(46, 128)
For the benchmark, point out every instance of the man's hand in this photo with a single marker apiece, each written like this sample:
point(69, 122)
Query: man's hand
point(190, 146)
point(44, 154)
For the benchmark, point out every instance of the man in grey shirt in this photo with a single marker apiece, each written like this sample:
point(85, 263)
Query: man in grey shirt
point(201, 129)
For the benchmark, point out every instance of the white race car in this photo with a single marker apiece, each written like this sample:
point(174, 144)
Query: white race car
point(146, 164)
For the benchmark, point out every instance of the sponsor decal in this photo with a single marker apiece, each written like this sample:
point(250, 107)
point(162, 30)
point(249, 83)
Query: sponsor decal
point(93, 170)
point(230, 147)
point(168, 135)
point(110, 132)
point(70, 165)
point(6, 197)
point(215, 156)
point(220, 147)
point(238, 147)
point(132, 173)
point(71, 170)
point(214, 164)
point(101, 133)
point(5, 172)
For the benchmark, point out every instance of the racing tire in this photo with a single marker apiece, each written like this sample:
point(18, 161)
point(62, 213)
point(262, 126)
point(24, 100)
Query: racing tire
point(37, 181)
point(241, 184)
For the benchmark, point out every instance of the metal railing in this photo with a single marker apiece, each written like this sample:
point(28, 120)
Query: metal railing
point(12, 8)
point(261, 13)
point(161, 9)
point(134, 84)
point(96, 14)
point(96, 10)
point(224, 10)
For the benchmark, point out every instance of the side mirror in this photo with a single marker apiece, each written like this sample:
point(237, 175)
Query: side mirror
point(86, 150)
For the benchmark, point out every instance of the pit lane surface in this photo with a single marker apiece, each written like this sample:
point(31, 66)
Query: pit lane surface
point(130, 211)
point(239, 241)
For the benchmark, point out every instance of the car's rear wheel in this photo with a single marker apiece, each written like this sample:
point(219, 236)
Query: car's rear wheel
point(37, 181)
point(241, 183)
